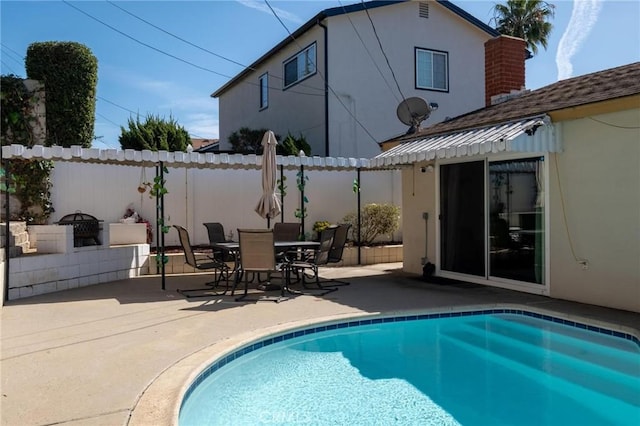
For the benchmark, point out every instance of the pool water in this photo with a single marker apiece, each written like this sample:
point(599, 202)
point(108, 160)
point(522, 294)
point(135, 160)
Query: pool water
point(480, 369)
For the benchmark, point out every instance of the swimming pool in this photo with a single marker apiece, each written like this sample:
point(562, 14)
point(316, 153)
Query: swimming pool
point(498, 366)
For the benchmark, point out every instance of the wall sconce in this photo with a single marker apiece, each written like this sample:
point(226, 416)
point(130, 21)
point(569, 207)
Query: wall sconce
point(426, 169)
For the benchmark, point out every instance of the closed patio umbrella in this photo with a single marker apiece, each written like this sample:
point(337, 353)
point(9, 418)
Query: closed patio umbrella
point(269, 204)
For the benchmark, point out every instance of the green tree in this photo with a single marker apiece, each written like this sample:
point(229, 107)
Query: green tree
point(247, 141)
point(155, 134)
point(526, 19)
point(292, 146)
point(69, 72)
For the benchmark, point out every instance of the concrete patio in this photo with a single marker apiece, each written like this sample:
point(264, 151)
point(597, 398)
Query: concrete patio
point(122, 352)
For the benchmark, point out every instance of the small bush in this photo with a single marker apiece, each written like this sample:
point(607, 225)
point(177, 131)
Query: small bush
point(319, 226)
point(376, 220)
point(69, 71)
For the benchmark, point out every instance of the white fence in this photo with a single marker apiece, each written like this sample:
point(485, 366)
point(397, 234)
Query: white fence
point(228, 196)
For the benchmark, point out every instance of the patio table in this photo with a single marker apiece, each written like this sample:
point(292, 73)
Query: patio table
point(233, 248)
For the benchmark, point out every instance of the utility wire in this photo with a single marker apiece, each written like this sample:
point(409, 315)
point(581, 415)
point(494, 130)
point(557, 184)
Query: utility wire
point(213, 53)
point(143, 43)
point(177, 37)
point(369, 53)
point(119, 106)
point(7, 66)
point(375, 32)
point(12, 56)
point(105, 118)
point(11, 50)
point(133, 112)
point(614, 125)
point(322, 76)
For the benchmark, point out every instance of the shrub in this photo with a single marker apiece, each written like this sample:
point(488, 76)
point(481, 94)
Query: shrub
point(319, 226)
point(154, 134)
point(69, 72)
point(376, 220)
point(247, 141)
point(292, 146)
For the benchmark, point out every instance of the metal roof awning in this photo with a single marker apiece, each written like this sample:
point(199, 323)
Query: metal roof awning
point(534, 134)
point(130, 157)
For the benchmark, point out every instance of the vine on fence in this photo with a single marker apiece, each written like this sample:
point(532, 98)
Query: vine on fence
point(301, 181)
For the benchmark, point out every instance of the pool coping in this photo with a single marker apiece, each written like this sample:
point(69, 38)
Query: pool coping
point(160, 402)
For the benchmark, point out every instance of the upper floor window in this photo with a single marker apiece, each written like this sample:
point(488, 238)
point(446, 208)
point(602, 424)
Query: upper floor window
point(432, 70)
point(300, 66)
point(264, 90)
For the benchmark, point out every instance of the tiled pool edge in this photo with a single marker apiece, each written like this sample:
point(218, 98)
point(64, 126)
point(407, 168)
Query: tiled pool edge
point(386, 318)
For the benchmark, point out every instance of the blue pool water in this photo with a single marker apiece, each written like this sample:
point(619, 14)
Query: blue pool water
point(501, 368)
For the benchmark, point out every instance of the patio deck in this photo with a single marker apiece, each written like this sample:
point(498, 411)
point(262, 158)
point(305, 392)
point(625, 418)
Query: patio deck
point(121, 352)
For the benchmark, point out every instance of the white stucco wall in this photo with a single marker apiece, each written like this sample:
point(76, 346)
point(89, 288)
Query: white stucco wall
point(418, 196)
point(599, 173)
point(212, 195)
point(373, 102)
point(359, 97)
point(299, 109)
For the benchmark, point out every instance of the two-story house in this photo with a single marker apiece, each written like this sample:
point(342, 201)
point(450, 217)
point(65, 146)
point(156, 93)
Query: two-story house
point(339, 78)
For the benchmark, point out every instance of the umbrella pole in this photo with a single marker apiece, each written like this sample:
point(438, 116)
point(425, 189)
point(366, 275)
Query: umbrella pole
point(281, 193)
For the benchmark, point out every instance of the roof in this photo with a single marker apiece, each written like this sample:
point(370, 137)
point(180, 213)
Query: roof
point(599, 86)
point(527, 135)
point(335, 11)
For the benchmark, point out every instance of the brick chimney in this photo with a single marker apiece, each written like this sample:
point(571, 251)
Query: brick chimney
point(504, 58)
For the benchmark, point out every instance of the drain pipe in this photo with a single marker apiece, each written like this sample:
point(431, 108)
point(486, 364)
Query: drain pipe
point(428, 268)
point(7, 210)
point(425, 259)
point(326, 88)
point(359, 220)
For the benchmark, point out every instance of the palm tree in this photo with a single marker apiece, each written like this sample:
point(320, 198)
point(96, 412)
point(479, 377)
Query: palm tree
point(526, 19)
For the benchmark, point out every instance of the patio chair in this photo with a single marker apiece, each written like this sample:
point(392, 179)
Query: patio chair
point(257, 255)
point(286, 231)
point(216, 234)
point(308, 266)
point(283, 231)
point(335, 254)
point(220, 269)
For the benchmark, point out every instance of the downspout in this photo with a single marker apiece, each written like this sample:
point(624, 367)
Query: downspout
point(326, 88)
point(7, 240)
point(359, 220)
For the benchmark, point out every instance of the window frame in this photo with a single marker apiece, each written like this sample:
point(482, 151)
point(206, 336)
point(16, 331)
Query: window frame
point(263, 95)
point(295, 57)
point(446, 70)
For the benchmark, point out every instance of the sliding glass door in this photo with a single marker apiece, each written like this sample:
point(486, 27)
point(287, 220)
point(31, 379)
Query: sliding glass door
point(462, 218)
point(516, 225)
point(498, 231)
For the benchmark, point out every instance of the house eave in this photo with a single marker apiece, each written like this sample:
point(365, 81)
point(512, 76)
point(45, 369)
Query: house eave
point(321, 16)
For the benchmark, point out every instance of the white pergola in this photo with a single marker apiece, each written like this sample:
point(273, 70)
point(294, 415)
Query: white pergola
point(161, 159)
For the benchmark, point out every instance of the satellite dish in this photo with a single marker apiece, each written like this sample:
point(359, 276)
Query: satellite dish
point(413, 111)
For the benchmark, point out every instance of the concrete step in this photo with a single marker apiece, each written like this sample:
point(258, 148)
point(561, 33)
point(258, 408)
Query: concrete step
point(18, 238)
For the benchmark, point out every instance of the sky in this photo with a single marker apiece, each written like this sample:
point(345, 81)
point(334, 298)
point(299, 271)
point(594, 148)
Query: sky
point(166, 58)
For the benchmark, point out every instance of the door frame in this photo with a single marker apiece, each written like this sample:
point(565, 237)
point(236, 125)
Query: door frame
point(488, 279)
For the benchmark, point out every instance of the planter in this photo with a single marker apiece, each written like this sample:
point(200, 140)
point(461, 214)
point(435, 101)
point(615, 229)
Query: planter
point(371, 255)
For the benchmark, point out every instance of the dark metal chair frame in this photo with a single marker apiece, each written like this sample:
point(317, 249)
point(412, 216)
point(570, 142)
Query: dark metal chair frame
point(335, 254)
point(257, 255)
point(215, 231)
point(219, 268)
point(312, 261)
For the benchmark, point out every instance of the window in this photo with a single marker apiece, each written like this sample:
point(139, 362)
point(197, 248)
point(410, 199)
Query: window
point(300, 66)
point(432, 70)
point(264, 91)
